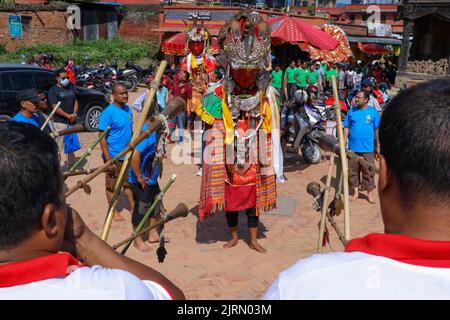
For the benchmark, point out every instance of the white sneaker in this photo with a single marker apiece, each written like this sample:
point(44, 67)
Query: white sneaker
point(199, 172)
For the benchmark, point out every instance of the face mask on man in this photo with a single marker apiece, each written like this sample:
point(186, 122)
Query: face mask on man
point(64, 81)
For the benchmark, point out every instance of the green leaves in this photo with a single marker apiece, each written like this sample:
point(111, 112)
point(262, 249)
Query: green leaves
point(100, 51)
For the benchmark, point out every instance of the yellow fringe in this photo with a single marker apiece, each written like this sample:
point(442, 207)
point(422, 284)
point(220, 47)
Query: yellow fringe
point(204, 115)
point(227, 121)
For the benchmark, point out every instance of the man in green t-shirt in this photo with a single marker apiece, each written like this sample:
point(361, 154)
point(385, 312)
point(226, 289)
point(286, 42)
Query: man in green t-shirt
point(302, 73)
point(277, 78)
point(313, 75)
point(277, 82)
point(332, 71)
point(291, 79)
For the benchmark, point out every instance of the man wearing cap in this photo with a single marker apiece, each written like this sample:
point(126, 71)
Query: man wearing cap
point(29, 101)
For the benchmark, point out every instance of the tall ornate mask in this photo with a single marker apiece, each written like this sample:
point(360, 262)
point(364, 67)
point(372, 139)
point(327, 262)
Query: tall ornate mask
point(245, 41)
point(197, 37)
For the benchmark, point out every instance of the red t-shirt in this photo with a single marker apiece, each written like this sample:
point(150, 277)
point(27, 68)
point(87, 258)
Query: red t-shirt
point(183, 90)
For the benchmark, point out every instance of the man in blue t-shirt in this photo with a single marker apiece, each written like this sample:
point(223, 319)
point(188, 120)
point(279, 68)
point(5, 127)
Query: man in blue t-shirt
point(361, 129)
point(143, 177)
point(29, 101)
point(118, 116)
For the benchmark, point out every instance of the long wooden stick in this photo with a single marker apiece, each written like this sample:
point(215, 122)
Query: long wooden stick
point(180, 211)
point(89, 150)
point(83, 171)
point(75, 129)
point(338, 231)
point(126, 163)
point(50, 116)
point(325, 204)
point(344, 163)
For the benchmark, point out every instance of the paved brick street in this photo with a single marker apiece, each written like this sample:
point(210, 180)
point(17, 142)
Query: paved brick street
point(196, 261)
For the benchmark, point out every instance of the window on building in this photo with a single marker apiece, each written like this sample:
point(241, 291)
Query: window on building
point(383, 18)
point(26, 23)
point(351, 17)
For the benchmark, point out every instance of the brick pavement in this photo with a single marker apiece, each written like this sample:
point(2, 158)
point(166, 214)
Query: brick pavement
point(196, 261)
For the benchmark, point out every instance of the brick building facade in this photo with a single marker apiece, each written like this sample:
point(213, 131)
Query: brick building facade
point(38, 27)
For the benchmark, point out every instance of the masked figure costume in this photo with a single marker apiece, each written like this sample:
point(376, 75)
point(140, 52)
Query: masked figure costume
point(242, 156)
point(198, 64)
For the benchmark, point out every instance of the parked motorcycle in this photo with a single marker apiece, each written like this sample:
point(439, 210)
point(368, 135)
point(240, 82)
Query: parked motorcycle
point(303, 129)
point(141, 73)
point(128, 77)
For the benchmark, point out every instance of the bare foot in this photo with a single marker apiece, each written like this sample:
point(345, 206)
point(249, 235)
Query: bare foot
point(370, 198)
point(156, 240)
point(354, 197)
point(118, 217)
point(141, 246)
point(256, 246)
point(230, 243)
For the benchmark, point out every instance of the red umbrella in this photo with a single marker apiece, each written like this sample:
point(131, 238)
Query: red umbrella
point(176, 45)
point(373, 48)
point(294, 31)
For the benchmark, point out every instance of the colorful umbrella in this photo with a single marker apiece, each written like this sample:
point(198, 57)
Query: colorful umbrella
point(176, 45)
point(341, 53)
point(373, 48)
point(286, 29)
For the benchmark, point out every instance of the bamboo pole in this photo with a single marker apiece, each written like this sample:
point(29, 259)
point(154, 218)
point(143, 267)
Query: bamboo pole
point(75, 129)
point(84, 171)
point(89, 150)
point(338, 231)
point(149, 211)
point(325, 204)
point(126, 162)
point(180, 211)
point(50, 116)
point(343, 155)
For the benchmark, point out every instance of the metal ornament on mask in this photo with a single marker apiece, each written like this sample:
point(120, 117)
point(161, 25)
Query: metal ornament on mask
point(242, 50)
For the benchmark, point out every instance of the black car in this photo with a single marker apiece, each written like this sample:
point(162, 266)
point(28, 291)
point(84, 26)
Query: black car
point(15, 77)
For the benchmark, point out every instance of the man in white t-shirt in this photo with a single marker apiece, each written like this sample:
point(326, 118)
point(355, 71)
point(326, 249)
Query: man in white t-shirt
point(42, 241)
point(411, 260)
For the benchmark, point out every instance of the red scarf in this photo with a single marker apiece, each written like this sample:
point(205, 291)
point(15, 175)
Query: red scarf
point(47, 267)
point(404, 249)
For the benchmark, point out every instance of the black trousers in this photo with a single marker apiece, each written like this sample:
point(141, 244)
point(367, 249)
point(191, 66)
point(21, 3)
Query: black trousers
point(252, 218)
point(143, 200)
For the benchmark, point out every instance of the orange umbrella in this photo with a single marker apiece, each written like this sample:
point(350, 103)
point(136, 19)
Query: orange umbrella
point(176, 45)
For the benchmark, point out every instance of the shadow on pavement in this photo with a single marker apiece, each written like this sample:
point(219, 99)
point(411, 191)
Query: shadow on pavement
point(214, 228)
point(294, 162)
